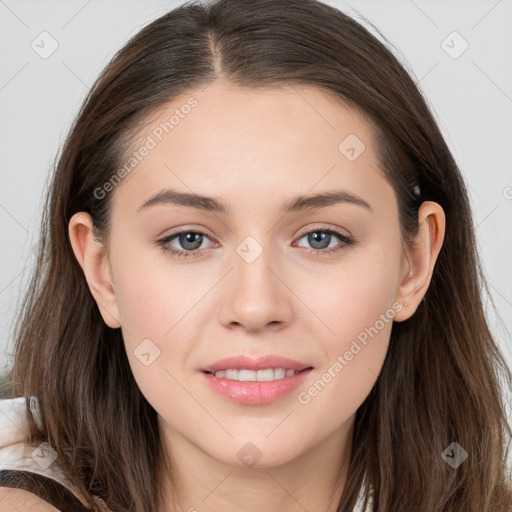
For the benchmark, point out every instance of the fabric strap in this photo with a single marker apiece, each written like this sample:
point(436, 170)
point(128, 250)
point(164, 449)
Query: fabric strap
point(47, 489)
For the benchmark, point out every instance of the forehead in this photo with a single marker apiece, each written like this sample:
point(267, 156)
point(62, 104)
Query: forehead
point(282, 140)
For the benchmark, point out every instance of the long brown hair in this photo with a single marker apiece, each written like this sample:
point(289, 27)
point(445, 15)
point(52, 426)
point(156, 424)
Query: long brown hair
point(440, 382)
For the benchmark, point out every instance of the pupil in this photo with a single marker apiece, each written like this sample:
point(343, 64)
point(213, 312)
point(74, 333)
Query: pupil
point(313, 239)
point(190, 238)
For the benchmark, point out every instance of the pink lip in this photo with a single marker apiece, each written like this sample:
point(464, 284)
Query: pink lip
point(256, 393)
point(262, 363)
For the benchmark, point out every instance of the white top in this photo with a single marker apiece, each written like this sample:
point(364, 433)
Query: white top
point(17, 454)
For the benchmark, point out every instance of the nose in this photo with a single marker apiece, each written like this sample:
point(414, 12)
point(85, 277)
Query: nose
point(256, 296)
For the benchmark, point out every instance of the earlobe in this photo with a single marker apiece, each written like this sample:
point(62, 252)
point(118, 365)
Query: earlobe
point(93, 259)
point(421, 258)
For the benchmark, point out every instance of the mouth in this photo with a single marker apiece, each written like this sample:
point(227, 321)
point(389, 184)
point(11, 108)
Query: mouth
point(247, 381)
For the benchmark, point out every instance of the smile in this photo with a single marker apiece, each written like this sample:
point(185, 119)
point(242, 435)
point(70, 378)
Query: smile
point(244, 375)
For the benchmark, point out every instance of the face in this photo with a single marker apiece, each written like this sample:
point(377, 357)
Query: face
point(316, 284)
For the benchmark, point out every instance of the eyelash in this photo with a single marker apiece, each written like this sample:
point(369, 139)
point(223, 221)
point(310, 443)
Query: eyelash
point(346, 240)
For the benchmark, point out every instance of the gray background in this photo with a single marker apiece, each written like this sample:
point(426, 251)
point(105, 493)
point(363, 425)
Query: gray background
point(470, 94)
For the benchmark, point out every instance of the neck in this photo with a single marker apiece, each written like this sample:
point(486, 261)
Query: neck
point(313, 480)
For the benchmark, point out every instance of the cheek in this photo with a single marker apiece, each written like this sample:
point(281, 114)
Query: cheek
point(350, 296)
point(149, 292)
point(357, 306)
point(151, 303)
point(160, 304)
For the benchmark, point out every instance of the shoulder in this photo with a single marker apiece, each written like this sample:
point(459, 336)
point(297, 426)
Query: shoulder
point(17, 500)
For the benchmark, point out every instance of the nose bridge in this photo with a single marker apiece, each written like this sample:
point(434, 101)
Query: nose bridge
point(256, 296)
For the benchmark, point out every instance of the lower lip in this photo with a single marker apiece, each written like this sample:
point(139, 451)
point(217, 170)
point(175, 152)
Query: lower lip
point(256, 393)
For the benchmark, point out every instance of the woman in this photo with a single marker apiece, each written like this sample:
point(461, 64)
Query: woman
point(258, 286)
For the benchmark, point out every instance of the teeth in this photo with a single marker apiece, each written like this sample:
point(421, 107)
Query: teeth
point(231, 374)
point(265, 375)
point(246, 375)
point(255, 376)
point(279, 373)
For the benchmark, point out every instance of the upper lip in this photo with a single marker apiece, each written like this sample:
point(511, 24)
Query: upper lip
point(261, 363)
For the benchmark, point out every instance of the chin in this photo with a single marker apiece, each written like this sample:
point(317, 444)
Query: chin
point(255, 454)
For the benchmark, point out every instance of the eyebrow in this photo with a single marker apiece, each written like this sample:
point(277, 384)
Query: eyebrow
point(215, 205)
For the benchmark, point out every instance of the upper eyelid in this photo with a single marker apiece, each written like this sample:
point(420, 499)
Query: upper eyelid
point(336, 231)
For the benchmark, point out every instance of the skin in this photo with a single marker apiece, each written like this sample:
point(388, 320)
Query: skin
point(256, 149)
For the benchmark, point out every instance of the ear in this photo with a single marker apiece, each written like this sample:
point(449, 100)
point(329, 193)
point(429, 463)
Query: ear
point(93, 258)
point(420, 258)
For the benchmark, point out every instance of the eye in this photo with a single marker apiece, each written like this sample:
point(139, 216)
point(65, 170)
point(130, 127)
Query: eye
point(192, 241)
point(321, 240)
